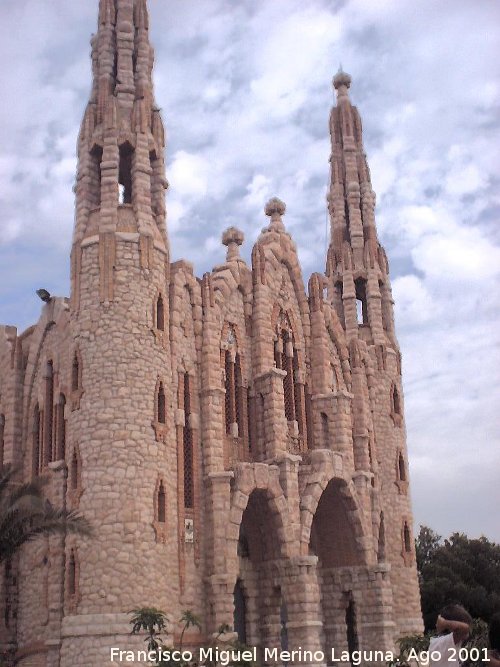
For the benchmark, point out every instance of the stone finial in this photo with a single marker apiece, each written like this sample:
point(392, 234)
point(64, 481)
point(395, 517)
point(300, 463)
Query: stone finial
point(341, 82)
point(275, 208)
point(341, 79)
point(232, 238)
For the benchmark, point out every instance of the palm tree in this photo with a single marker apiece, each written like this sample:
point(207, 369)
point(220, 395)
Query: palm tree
point(26, 514)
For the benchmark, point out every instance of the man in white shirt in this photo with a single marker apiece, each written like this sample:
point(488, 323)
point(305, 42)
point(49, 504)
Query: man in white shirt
point(444, 649)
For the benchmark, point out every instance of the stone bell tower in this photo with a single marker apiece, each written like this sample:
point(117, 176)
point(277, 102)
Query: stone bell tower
point(359, 286)
point(120, 338)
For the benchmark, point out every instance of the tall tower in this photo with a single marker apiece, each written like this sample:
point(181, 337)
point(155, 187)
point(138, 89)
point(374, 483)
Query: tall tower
point(119, 329)
point(359, 287)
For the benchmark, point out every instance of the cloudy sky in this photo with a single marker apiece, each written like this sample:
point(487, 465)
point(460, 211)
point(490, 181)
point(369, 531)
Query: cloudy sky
point(245, 89)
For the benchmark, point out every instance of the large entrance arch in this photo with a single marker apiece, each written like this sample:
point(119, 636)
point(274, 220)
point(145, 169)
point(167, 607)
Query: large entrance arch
point(333, 541)
point(260, 604)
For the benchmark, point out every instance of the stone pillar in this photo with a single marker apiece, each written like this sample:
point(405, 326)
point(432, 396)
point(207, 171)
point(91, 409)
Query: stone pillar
point(222, 571)
point(302, 595)
point(270, 385)
point(377, 627)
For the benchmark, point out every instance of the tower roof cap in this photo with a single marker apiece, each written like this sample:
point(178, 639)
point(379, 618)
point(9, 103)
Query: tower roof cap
point(341, 79)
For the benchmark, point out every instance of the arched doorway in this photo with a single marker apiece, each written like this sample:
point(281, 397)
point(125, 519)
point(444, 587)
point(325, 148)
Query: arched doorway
point(333, 541)
point(260, 613)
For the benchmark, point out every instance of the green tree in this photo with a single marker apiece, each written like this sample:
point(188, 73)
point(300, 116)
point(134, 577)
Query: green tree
point(425, 546)
point(458, 569)
point(25, 514)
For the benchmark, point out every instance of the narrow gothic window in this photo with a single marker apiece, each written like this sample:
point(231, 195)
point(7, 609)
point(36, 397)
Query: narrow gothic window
point(36, 440)
point(229, 387)
point(338, 301)
point(125, 174)
point(401, 468)
point(381, 540)
point(95, 176)
point(407, 538)
point(75, 373)
point(325, 435)
point(188, 447)
point(48, 425)
point(61, 428)
point(161, 503)
point(2, 439)
point(161, 404)
point(160, 314)
point(72, 574)
point(74, 471)
point(361, 306)
point(239, 396)
point(396, 401)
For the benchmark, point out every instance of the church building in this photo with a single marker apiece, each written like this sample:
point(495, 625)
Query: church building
point(236, 440)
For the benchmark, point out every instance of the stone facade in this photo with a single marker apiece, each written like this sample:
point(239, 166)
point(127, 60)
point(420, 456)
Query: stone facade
point(237, 442)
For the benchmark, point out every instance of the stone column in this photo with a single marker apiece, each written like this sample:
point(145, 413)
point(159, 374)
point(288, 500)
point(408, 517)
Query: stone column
point(270, 385)
point(222, 574)
point(302, 595)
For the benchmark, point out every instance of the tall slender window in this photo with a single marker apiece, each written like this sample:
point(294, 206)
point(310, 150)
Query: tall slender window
point(74, 475)
point(361, 305)
point(161, 404)
point(61, 428)
point(75, 373)
point(125, 174)
point(48, 413)
point(396, 401)
point(160, 314)
point(230, 407)
point(286, 358)
point(381, 540)
point(401, 468)
point(188, 447)
point(407, 538)
point(161, 503)
point(72, 574)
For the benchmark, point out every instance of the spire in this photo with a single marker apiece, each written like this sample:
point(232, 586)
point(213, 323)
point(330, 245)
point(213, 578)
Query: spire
point(356, 263)
point(121, 170)
point(351, 198)
point(122, 140)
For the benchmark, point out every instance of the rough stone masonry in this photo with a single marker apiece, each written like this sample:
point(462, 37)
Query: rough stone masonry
point(236, 440)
